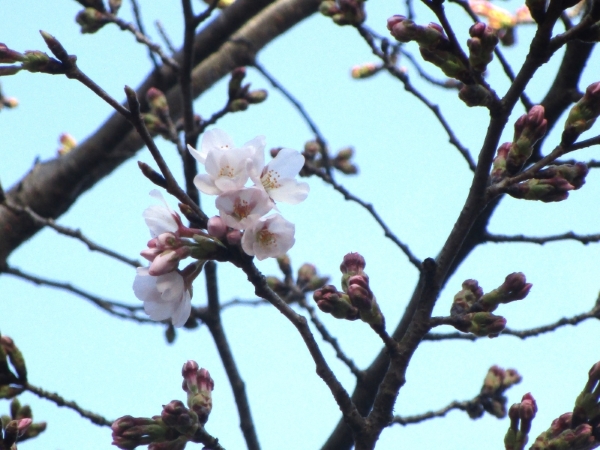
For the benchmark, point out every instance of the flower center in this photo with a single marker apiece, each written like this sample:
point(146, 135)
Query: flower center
point(270, 180)
point(266, 238)
point(241, 209)
point(227, 171)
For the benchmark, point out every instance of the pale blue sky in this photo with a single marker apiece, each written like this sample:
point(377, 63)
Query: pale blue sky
point(415, 179)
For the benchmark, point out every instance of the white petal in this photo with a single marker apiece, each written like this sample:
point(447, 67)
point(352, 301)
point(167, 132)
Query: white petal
point(182, 311)
point(206, 184)
point(199, 156)
point(216, 139)
point(158, 311)
point(290, 192)
point(287, 163)
point(159, 218)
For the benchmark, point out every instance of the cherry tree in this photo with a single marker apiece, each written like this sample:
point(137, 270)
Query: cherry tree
point(364, 220)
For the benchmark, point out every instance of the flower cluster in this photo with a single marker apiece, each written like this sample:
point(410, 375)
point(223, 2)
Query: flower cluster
point(241, 208)
point(165, 290)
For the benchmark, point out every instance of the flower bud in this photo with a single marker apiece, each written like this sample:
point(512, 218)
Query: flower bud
point(235, 82)
point(257, 96)
point(91, 20)
point(158, 102)
point(364, 71)
point(311, 150)
point(114, 5)
point(529, 128)
point(451, 65)
point(239, 104)
point(329, 300)
point(216, 227)
point(499, 165)
point(514, 288)
point(14, 356)
point(177, 416)
point(481, 46)
point(9, 56)
point(484, 324)
point(466, 297)
point(546, 190)
point(582, 115)
point(68, 143)
point(475, 95)
point(200, 397)
point(353, 264)
point(234, 237)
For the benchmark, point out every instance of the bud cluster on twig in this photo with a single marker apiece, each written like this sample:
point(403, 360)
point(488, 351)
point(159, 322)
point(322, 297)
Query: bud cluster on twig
point(433, 45)
point(577, 430)
point(582, 115)
point(240, 95)
point(342, 161)
point(19, 424)
point(344, 12)
point(471, 311)
point(356, 300)
point(491, 398)
point(177, 424)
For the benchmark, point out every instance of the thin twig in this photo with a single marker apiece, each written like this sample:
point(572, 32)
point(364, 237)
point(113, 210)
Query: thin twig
point(325, 175)
point(407, 420)
point(327, 337)
point(143, 39)
point(393, 70)
point(137, 13)
point(503, 61)
point(352, 417)
point(371, 209)
point(541, 240)
point(74, 233)
point(300, 108)
point(165, 37)
point(117, 309)
point(59, 401)
point(521, 334)
point(212, 318)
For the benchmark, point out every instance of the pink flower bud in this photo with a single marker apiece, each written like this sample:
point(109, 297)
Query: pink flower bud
point(353, 263)
point(216, 227)
point(189, 372)
point(234, 237)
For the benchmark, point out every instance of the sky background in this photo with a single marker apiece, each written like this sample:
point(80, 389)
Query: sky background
point(416, 180)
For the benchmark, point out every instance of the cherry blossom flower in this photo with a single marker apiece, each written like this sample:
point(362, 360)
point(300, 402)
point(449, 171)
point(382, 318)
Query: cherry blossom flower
point(242, 208)
point(165, 297)
point(278, 178)
point(225, 164)
point(268, 237)
point(160, 218)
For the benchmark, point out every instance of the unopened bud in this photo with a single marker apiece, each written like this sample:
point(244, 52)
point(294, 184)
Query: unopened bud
point(158, 102)
point(364, 71)
point(114, 5)
point(499, 165)
point(258, 96)
point(514, 288)
point(353, 264)
point(582, 115)
point(68, 143)
point(529, 129)
point(239, 104)
point(470, 293)
point(9, 56)
point(235, 82)
point(475, 95)
point(91, 20)
point(330, 300)
point(216, 227)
